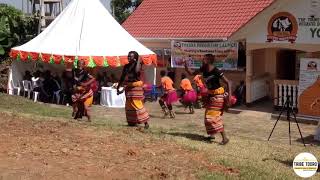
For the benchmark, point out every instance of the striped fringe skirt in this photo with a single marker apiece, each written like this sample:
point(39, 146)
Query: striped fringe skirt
point(214, 109)
point(135, 110)
point(87, 98)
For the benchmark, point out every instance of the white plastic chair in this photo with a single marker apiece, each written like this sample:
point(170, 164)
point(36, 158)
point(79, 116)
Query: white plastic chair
point(16, 87)
point(27, 88)
point(34, 84)
point(35, 96)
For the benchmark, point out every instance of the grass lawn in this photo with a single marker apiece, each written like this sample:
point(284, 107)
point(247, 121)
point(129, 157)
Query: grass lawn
point(248, 155)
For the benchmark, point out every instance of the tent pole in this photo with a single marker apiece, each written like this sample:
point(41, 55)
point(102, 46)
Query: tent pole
point(155, 76)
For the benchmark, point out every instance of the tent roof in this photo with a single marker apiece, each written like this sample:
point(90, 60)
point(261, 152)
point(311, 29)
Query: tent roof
point(85, 30)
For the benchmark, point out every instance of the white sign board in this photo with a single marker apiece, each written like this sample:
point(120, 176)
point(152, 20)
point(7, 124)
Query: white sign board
point(309, 73)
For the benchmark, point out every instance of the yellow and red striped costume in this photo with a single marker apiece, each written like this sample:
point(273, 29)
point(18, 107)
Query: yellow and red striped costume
point(82, 95)
point(135, 110)
point(214, 110)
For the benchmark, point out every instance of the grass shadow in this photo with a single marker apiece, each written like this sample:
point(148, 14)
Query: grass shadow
point(195, 137)
point(179, 112)
point(309, 140)
point(287, 162)
point(154, 116)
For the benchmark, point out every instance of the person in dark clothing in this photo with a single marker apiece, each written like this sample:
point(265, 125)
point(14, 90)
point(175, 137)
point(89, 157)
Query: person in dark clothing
point(27, 76)
point(240, 93)
point(171, 74)
point(67, 85)
point(136, 113)
point(49, 86)
point(216, 96)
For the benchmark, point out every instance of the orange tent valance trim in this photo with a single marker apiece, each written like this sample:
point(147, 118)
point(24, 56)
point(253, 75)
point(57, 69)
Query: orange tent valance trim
point(90, 61)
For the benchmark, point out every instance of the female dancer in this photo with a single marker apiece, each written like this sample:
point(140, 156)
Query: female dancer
point(83, 94)
point(189, 95)
point(170, 95)
point(135, 111)
point(215, 100)
point(201, 90)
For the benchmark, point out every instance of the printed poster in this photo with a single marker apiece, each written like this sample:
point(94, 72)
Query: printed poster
point(309, 87)
point(309, 72)
point(226, 54)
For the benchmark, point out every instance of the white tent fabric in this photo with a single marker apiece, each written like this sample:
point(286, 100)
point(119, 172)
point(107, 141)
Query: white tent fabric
point(84, 28)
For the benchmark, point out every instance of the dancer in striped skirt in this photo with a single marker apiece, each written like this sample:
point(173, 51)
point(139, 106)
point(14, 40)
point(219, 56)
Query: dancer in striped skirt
point(135, 110)
point(215, 99)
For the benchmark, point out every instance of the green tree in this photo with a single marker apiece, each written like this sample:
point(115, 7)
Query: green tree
point(14, 28)
point(122, 9)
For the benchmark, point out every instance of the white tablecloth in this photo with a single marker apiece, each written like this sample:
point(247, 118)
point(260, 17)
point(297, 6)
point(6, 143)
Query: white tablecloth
point(110, 98)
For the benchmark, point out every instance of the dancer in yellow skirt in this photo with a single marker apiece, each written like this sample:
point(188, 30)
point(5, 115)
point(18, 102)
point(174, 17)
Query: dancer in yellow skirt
point(215, 98)
point(135, 111)
point(82, 97)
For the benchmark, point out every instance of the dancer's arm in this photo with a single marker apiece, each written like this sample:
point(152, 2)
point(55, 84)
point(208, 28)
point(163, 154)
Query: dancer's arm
point(191, 73)
point(138, 66)
point(228, 82)
point(92, 79)
point(123, 76)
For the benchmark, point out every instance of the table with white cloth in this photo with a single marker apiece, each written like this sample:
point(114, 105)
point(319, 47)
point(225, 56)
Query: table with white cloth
point(109, 98)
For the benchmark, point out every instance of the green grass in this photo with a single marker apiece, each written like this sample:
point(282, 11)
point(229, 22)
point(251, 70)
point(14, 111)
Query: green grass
point(248, 151)
point(20, 105)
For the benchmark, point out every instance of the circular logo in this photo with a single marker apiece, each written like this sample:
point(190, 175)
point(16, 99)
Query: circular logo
point(305, 165)
point(282, 26)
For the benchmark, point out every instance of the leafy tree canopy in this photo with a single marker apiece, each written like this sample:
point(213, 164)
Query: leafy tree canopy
point(123, 8)
point(14, 28)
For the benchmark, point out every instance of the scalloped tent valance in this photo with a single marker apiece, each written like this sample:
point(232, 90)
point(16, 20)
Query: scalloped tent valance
point(84, 31)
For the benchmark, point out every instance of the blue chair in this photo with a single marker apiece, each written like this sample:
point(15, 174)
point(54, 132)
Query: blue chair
point(156, 92)
point(152, 93)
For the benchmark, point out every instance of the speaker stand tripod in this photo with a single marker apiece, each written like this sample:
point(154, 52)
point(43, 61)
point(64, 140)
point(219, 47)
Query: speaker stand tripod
point(289, 110)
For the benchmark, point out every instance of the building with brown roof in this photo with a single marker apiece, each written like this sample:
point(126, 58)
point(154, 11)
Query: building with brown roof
point(275, 35)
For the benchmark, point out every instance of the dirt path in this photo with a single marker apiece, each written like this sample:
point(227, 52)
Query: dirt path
point(67, 150)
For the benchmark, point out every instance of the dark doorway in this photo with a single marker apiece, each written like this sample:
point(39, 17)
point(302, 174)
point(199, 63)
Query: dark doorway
point(286, 64)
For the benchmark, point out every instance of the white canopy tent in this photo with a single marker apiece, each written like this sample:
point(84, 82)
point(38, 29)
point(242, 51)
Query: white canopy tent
point(84, 31)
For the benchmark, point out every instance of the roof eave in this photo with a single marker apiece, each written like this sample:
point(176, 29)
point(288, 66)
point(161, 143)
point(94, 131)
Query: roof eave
point(180, 39)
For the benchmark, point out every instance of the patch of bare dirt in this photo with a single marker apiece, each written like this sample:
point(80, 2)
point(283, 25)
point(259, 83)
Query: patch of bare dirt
point(67, 150)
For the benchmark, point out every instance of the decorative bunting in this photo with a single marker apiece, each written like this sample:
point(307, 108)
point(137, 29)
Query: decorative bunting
point(112, 61)
point(94, 61)
point(105, 62)
point(91, 63)
point(18, 57)
point(75, 62)
point(124, 60)
point(98, 60)
point(62, 61)
point(29, 57)
point(23, 56)
point(51, 60)
point(46, 57)
point(33, 56)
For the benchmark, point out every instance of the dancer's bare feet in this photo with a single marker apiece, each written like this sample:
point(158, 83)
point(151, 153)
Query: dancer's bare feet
point(224, 142)
point(146, 125)
point(210, 138)
point(172, 115)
